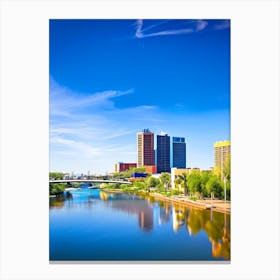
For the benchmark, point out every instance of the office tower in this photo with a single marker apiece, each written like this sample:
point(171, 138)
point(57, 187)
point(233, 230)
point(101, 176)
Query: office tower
point(179, 152)
point(145, 148)
point(222, 153)
point(163, 153)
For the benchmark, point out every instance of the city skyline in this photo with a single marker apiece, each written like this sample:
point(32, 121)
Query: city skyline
point(109, 79)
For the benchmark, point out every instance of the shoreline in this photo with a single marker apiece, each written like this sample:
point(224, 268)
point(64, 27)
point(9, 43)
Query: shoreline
point(204, 204)
point(214, 205)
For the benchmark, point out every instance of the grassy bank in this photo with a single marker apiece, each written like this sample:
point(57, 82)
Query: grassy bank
point(173, 196)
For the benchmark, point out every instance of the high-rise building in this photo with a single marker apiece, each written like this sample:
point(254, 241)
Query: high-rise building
point(222, 153)
point(163, 153)
point(178, 152)
point(145, 148)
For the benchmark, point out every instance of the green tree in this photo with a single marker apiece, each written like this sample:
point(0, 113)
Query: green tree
point(56, 175)
point(152, 182)
point(217, 171)
point(214, 186)
point(139, 185)
point(205, 176)
point(226, 169)
point(56, 188)
point(178, 182)
point(194, 182)
point(227, 176)
point(165, 179)
point(184, 178)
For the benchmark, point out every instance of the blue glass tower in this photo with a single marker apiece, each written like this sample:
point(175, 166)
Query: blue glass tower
point(179, 152)
point(163, 153)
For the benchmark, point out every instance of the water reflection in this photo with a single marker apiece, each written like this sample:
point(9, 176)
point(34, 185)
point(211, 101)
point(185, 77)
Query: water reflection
point(179, 216)
point(217, 229)
point(184, 219)
point(215, 225)
point(139, 207)
point(59, 200)
point(164, 212)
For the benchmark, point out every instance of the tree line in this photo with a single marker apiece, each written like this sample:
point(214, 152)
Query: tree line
point(195, 185)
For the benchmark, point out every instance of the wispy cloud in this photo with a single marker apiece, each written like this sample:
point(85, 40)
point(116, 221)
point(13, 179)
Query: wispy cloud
point(196, 26)
point(64, 101)
point(224, 24)
point(77, 147)
point(139, 25)
point(82, 127)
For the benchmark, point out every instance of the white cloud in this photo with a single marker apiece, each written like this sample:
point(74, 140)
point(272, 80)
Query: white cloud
point(197, 26)
point(63, 101)
point(84, 134)
point(201, 24)
point(225, 24)
point(139, 25)
point(76, 147)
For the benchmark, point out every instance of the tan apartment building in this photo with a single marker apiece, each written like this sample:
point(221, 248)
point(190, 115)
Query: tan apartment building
point(221, 154)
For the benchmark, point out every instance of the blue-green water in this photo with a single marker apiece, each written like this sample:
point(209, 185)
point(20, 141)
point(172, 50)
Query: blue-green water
point(92, 225)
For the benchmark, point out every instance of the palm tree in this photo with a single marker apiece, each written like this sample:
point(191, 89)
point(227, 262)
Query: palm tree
point(165, 179)
point(184, 178)
point(178, 182)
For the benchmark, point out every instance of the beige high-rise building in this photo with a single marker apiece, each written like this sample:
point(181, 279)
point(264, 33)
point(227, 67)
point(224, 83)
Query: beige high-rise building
point(145, 148)
point(222, 153)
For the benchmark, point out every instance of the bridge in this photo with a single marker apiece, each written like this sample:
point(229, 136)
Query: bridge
point(90, 181)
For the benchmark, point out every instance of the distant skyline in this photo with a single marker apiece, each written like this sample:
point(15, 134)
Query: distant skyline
point(109, 79)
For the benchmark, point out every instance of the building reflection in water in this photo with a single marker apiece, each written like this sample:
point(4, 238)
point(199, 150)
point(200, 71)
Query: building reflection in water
point(215, 225)
point(136, 206)
point(164, 213)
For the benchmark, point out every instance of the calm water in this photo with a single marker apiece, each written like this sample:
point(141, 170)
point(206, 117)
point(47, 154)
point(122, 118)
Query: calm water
point(92, 225)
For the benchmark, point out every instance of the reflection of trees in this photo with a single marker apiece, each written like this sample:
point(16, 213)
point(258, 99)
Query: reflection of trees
point(222, 247)
point(151, 200)
point(179, 215)
point(59, 200)
point(217, 229)
point(196, 220)
point(215, 225)
point(104, 195)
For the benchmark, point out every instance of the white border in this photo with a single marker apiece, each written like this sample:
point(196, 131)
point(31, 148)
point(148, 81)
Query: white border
point(254, 133)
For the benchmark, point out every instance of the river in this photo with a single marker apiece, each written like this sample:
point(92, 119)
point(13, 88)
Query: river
point(93, 225)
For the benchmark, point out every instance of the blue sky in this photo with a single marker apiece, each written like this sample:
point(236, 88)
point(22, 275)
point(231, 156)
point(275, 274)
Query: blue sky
point(109, 79)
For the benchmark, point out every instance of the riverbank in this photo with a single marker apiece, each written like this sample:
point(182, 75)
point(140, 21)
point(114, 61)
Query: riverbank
point(215, 205)
point(112, 190)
